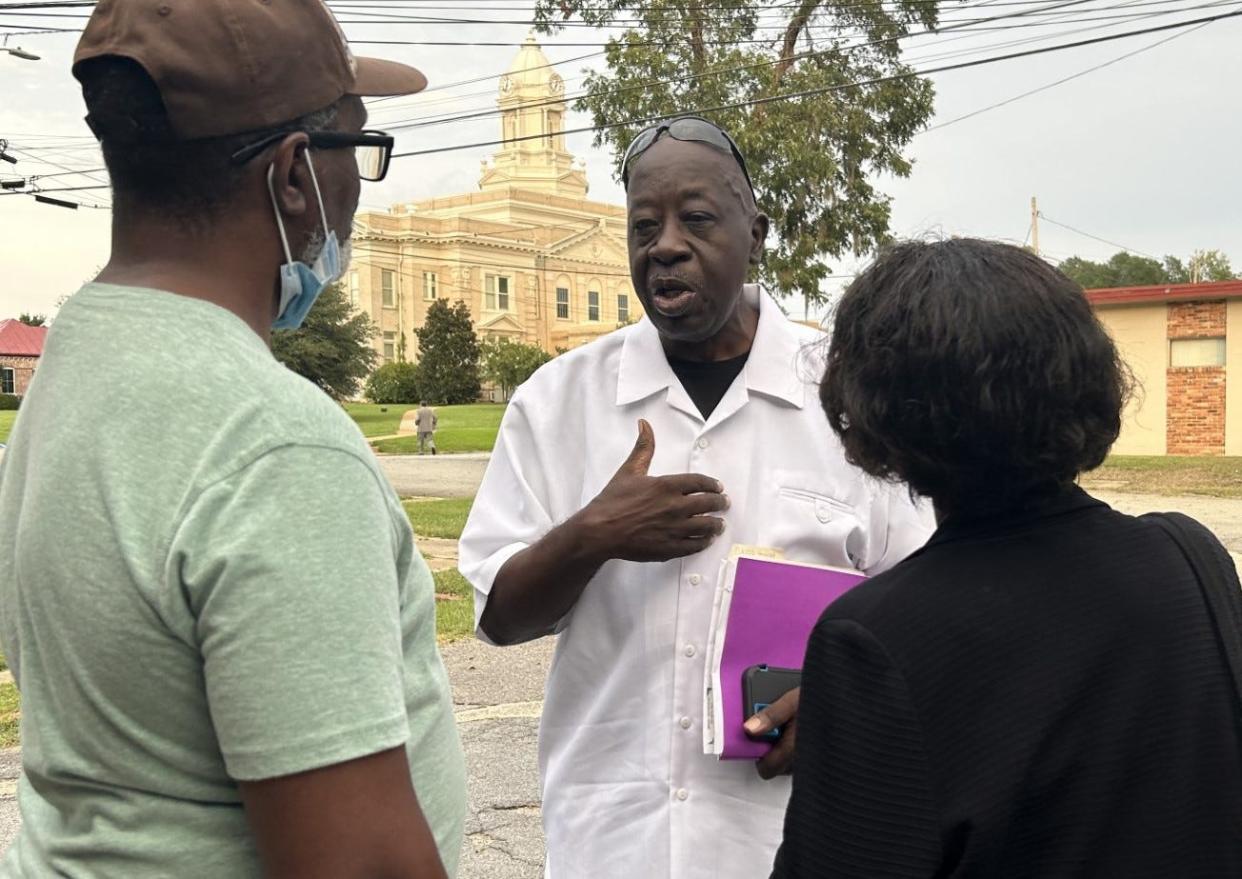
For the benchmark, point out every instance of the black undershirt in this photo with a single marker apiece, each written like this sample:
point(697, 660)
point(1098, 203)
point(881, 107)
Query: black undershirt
point(707, 383)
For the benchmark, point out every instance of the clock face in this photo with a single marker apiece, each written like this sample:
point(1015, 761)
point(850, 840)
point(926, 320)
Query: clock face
point(506, 85)
point(556, 84)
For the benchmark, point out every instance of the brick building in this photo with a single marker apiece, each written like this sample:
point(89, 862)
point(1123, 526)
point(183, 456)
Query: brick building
point(20, 349)
point(1184, 344)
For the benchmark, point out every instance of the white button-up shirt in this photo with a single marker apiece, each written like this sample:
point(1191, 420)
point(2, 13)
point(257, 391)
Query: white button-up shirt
point(627, 790)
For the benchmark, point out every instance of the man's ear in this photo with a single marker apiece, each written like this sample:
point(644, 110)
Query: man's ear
point(758, 238)
point(290, 182)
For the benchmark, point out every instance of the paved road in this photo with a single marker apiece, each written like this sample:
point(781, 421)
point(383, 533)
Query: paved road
point(435, 475)
point(498, 696)
point(10, 766)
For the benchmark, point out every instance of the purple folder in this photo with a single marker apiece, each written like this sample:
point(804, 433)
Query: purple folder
point(774, 608)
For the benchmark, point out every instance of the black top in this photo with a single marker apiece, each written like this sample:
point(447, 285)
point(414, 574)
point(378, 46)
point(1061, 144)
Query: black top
point(707, 383)
point(1038, 694)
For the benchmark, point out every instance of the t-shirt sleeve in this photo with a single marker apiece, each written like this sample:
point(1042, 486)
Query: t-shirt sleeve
point(862, 803)
point(510, 511)
point(290, 569)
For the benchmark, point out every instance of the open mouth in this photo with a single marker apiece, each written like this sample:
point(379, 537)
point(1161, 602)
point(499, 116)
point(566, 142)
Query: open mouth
point(672, 297)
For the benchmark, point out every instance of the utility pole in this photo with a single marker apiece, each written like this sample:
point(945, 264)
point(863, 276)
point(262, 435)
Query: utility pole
point(1034, 225)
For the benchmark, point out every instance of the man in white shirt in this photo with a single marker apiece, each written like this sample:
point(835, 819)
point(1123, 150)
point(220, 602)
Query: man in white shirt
point(617, 544)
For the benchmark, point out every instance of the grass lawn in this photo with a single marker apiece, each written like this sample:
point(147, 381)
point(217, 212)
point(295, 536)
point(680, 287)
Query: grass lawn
point(6, 424)
point(1169, 475)
point(10, 716)
point(439, 518)
point(374, 421)
point(470, 428)
point(454, 616)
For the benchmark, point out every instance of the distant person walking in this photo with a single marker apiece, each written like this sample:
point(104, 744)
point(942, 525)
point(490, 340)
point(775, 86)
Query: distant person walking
point(426, 421)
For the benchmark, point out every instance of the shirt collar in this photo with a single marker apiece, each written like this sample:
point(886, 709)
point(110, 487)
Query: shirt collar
point(781, 364)
point(1069, 499)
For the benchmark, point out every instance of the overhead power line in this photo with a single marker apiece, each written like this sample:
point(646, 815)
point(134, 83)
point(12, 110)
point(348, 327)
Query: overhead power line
point(834, 88)
point(1063, 80)
point(1048, 219)
point(491, 112)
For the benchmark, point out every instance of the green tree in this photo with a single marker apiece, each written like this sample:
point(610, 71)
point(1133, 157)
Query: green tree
point(332, 348)
point(395, 383)
point(508, 363)
point(448, 353)
point(1130, 270)
point(1209, 265)
point(33, 320)
point(814, 159)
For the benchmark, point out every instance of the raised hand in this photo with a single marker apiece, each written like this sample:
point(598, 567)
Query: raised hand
point(644, 518)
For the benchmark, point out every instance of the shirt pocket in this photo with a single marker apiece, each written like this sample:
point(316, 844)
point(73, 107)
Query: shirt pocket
point(810, 525)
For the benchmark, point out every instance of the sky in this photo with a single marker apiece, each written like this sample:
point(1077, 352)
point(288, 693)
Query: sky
point(1142, 153)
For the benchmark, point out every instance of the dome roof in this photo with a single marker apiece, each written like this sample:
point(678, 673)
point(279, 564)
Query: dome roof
point(530, 69)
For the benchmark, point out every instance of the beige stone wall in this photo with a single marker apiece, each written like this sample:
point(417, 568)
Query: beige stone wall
point(461, 271)
point(1233, 378)
point(1141, 335)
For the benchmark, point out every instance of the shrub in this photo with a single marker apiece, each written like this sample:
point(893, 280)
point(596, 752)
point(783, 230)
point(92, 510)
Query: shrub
point(8, 402)
point(395, 383)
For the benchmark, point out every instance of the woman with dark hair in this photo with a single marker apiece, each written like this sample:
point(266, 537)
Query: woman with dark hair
point(1041, 690)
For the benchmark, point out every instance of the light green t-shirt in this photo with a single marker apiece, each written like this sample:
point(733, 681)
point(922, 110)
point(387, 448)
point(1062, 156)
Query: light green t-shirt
point(204, 578)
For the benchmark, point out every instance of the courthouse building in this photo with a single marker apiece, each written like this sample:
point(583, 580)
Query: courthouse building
point(1184, 344)
point(529, 253)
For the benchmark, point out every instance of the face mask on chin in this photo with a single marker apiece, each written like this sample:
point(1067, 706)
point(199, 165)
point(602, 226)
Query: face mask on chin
point(302, 281)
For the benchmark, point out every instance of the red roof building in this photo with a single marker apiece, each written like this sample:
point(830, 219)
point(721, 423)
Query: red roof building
point(21, 347)
point(1184, 344)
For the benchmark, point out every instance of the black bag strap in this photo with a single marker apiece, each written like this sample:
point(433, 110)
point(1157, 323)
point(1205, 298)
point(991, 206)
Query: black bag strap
point(1218, 579)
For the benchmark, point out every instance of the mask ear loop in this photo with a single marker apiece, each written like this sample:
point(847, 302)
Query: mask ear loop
point(315, 181)
point(280, 222)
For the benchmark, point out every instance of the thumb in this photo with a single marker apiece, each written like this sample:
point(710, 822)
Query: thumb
point(639, 461)
point(775, 715)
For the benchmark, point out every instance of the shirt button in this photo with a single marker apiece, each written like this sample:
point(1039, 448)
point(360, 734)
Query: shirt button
point(683, 794)
point(689, 651)
point(695, 579)
point(704, 442)
point(685, 723)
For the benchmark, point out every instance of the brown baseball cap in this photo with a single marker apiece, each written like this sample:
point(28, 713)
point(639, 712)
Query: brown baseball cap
point(230, 66)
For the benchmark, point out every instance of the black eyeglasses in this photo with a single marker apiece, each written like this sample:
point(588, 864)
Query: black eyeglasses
point(372, 149)
point(686, 128)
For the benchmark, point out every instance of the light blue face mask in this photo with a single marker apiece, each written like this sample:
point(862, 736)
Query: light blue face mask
point(300, 284)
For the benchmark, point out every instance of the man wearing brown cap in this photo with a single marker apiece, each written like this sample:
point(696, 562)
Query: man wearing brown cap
point(211, 600)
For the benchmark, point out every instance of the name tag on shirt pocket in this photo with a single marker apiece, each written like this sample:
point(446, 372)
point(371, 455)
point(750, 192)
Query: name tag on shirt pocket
point(814, 527)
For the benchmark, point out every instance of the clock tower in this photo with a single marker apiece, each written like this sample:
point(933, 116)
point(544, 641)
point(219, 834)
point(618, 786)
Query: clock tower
point(532, 124)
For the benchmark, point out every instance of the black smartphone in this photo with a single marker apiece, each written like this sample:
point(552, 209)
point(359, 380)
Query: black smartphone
point(762, 685)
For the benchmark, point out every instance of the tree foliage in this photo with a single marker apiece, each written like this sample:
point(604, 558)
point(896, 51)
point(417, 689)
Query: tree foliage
point(332, 348)
point(448, 354)
point(1130, 270)
point(508, 363)
point(33, 320)
point(395, 383)
point(813, 160)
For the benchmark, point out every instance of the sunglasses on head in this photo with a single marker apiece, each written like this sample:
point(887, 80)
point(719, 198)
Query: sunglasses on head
point(372, 149)
point(694, 129)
